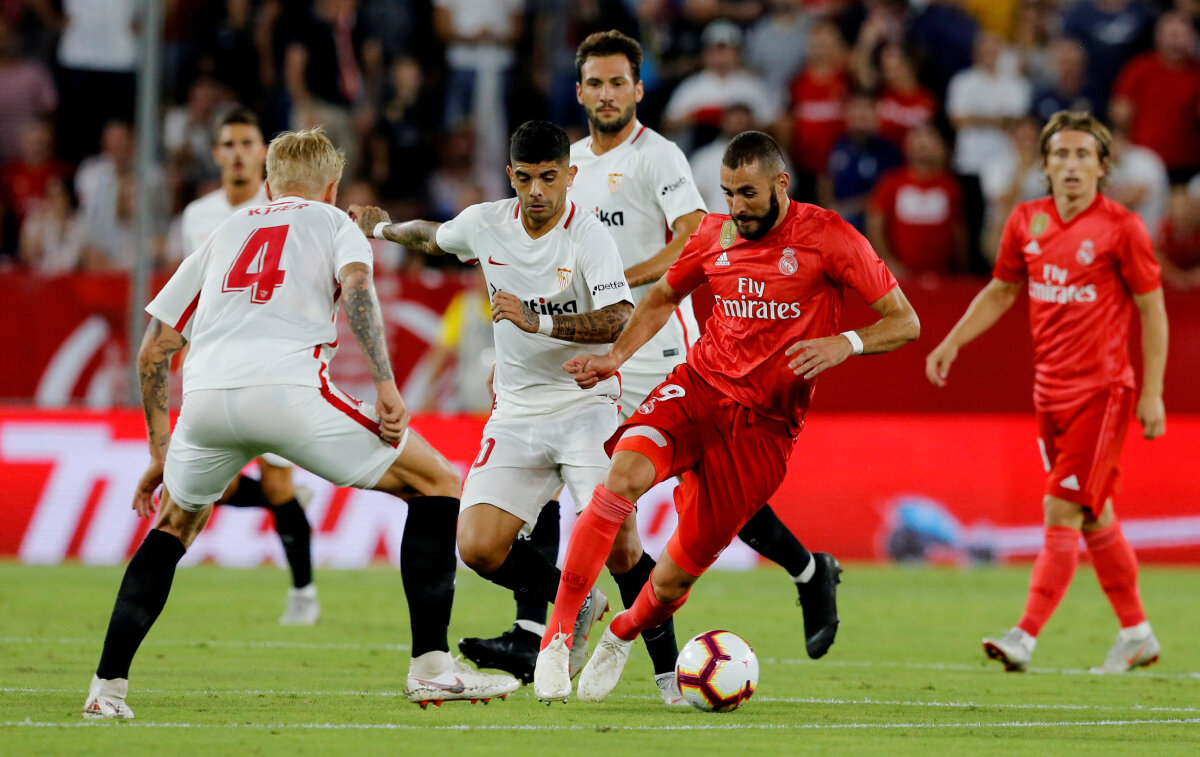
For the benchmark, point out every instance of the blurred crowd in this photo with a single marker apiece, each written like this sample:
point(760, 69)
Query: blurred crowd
point(918, 121)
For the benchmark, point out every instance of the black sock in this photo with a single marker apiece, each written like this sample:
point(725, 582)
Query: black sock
point(296, 536)
point(527, 573)
point(427, 568)
point(767, 535)
point(249, 494)
point(544, 539)
point(140, 599)
point(660, 640)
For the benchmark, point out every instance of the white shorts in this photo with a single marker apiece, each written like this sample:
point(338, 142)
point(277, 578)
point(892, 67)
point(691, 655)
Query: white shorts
point(220, 430)
point(636, 385)
point(523, 461)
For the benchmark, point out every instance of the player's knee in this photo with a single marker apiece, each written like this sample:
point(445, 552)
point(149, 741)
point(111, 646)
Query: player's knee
point(1060, 512)
point(630, 476)
point(627, 549)
point(184, 525)
point(669, 589)
point(480, 552)
point(447, 482)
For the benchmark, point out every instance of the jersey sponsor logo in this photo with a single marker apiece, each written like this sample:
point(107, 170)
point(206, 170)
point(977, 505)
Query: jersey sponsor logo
point(787, 262)
point(542, 307)
point(1038, 223)
point(1086, 252)
point(598, 288)
point(564, 278)
point(754, 306)
point(728, 233)
point(610, 218)
point(1033, 248)
point(614, 182)
point(722, 259)
point(667, 189)
point(495, 262)
point(1054, 287)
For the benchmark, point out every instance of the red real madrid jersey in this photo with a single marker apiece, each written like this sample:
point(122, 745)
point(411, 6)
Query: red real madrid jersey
point(769, 294)
point(1082, 276)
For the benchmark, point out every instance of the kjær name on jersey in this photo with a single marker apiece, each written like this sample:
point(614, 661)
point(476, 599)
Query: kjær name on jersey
point(262, 211)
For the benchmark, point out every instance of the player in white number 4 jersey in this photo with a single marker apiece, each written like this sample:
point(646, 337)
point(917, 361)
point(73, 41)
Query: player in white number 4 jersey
point(640, 186)
point(556, 284)
point(258, 303)
point(241, 154)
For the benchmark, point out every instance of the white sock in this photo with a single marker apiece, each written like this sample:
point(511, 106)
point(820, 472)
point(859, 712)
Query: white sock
point(430, 665)
point(1135, 633)
point(808, 572)
point(529, 625)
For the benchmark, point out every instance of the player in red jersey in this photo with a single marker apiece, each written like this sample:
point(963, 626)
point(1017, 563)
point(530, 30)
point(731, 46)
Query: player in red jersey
point(727, 419)
point(1088, 262)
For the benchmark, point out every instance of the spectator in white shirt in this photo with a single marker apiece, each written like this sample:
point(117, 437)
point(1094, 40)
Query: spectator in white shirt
point(982, 102)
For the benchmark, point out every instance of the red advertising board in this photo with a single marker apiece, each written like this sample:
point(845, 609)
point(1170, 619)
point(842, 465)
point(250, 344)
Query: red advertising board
point(863, 486)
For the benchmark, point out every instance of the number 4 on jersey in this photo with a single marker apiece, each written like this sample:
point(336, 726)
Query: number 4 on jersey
point(261, 252)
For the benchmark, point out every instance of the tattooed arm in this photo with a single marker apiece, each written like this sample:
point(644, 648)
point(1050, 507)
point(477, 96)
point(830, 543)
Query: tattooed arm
point(159, 343)
point(415, 235)
point(366, 321)
point(601, 326)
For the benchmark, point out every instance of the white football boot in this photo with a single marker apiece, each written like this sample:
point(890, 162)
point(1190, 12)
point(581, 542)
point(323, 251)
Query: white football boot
point(106, 699)
point(603, 670)
point(436, 677)
point(668, 686)
point(551, 672)
point(302, 608)
point(593, 609)
point(1127, 654)
point(1013, 649)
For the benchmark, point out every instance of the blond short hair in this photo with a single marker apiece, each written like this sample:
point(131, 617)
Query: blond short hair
point(304, 161)
point(1078, 120)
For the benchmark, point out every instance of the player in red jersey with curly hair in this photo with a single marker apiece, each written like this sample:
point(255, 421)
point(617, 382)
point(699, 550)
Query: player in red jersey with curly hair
point(728, 418)
point(1089, 263)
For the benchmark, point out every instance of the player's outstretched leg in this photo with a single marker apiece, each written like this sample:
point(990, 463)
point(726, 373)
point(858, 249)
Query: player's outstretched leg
point(142, 596)
point(1117, 570)
point(431, 486)
point(659, 599)
point(515, 650)
point(816, 576)
point(660, 640)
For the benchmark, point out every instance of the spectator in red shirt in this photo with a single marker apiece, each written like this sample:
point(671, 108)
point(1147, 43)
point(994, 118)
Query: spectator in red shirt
point(27, 93)
point(904, 103)
point(915, 217)
point(1179, 241)
point(817, 119)
point(23, 181)
point(1156, 99)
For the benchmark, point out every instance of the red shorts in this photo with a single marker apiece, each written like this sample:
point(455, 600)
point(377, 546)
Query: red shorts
point(1081, 447)
point(731, 460)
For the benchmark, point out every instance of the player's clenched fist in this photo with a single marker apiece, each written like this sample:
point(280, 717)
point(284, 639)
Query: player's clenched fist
point(938, 362)
point(506, 307)
point(814, 356)
point(368, 217)
point(393, 414)
point(588, 370)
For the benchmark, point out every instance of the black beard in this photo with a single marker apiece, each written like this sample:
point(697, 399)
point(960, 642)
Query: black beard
point(614, 126)
point(765, 221)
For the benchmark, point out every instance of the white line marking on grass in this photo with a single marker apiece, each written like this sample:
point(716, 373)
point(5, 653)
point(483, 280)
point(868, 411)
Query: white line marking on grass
point(695, 727)
point(220, 643)
point(956, 668)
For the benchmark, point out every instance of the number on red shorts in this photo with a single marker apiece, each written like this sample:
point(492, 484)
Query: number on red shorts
point(670, 392)
point(262, 251)
point(485, 451)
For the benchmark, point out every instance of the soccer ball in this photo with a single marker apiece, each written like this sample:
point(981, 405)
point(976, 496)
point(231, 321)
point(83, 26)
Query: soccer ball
point(716, 671)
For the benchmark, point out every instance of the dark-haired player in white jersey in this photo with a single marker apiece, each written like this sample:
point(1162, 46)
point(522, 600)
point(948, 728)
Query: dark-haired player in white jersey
point(557, 288)
point(639, 184)
point(258, 304)
point(241, 153)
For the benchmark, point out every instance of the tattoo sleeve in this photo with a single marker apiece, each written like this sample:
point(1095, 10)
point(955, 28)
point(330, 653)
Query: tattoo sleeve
point(366, 318)
point(597, 327)
point(415, 235)
point(154, 365)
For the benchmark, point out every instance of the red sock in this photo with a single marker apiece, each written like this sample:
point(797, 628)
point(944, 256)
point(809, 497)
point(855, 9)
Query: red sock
point(591, 540)
point(1117, 570)
point(647, 612)
point(1052, 574)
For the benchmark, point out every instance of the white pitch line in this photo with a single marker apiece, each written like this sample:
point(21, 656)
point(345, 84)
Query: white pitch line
point(955, 668)
point(786, 700)
point(633, 728)
point(219, 643)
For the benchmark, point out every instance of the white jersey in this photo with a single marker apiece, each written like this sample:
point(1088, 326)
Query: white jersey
point(637, 190)
point(573, 268)
point(258, 300)
point(203, 215)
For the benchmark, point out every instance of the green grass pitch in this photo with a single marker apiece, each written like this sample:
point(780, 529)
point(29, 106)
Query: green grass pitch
point(218, 675)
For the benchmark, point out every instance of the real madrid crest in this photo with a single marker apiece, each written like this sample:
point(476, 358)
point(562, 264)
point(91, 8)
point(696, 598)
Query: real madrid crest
point(614, 182)
point(564, 278)
point(1038, 223)
point(787, 262)
point(728, 234)
point(1086, 252)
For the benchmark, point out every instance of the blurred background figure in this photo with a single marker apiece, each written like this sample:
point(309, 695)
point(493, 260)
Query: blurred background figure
point(461, 360)
point(817, 119)
point(1179, 240)
point(858, 159)
point(1065, 89)
point(1137, 178)
point(982, 102)
point(27, 93)
point(706, 162)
